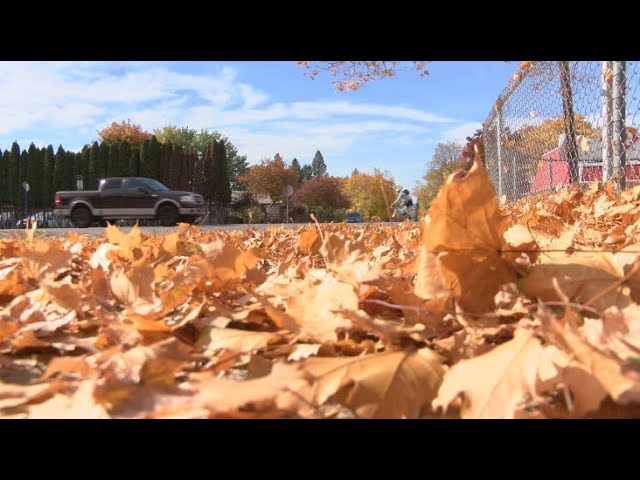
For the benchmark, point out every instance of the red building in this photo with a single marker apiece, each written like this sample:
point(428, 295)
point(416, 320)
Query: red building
point(553, 171)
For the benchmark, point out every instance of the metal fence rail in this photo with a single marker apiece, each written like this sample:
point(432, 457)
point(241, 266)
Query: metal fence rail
point(557, 123)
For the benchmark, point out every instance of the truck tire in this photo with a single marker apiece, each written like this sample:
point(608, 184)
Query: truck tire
point(167, 215)
point(81, 217)
point(191, 219)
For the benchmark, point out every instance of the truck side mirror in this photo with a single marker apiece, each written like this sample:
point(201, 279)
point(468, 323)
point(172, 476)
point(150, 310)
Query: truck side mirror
point(143, 190)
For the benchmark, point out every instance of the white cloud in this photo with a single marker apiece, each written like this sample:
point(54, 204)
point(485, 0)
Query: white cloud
point(461, 132)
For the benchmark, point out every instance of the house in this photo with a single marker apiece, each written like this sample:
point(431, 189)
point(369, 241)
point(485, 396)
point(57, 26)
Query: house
point(553, 171)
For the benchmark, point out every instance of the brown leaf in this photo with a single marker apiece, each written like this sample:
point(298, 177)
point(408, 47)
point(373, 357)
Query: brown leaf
point(224, 397)
point(580, 277)
point(494, 384)
point(465, 228)
point(313, 306)
point(122, 288)
point(382, 385)
point(309, 242)
point(622, 384)
point(236, 340)
point(80, 405)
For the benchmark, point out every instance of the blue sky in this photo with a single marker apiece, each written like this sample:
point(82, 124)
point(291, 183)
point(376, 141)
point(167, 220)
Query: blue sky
point(263, 107)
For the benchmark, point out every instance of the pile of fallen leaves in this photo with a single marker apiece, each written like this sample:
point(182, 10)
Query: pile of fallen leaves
point(529, 311)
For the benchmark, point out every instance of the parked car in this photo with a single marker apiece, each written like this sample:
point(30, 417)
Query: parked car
point(123, 198)
point(353, 217)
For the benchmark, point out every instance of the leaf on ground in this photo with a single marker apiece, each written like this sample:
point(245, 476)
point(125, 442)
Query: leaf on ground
point(313, 307)
point(497, 383)
point(581, 277)
point(309, 242)
point(383, 385)
point(622, 384)
point(223, 397)
point(236, 340)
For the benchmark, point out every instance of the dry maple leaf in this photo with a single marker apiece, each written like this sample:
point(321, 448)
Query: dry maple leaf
point(497, 383)
point(79, 405)
point(309, 242)
point(314, 304)
point(622, 384)
point(465, 228)
point(222, 397)
point(581, 277)
point(383, 385)
point(236, 340)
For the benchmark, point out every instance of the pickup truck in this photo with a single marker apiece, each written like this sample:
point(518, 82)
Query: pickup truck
point(128, 198)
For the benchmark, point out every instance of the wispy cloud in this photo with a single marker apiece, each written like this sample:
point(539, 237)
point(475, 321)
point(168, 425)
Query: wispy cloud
point(461, 132)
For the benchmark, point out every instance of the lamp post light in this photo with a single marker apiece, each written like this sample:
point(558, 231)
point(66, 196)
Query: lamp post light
point(25, 187)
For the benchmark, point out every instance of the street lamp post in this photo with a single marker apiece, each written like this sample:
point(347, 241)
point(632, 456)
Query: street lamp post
point(25, 187)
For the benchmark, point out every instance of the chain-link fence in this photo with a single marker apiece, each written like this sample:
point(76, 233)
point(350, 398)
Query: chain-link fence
point(562, 122)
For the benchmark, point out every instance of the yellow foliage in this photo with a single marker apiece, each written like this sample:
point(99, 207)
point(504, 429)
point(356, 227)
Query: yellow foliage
point(365, 194)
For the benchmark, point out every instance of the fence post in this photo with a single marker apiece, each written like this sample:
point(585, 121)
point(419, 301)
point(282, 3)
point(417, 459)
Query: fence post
point(569, 125)
point(619, 117)
point(607, 127)
point(499, 137)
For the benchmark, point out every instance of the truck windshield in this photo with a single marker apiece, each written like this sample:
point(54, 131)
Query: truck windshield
point(156, 185)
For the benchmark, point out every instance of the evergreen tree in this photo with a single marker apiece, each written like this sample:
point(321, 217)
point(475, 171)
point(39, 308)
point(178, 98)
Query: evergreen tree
point(68, 180)
point(123, 159)
point(154, 158)
point(47, 195)
point(295, 164)
point(133, 168)
point(90, 182)
point(58, 168)
point(13, 180)
point(84, 165)
point(113, 164)
point(23, 166)
point(4, 176)
point(145, 158)
point(319, 168)
point(306, 172)
point(222, 190)
point(102, 170)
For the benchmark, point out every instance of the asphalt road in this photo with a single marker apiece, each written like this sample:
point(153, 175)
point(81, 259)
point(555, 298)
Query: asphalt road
point(99, 231)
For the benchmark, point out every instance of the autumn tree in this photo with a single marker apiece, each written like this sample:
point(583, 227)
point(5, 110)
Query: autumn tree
point(124, 132)
point(445, 160)
point(269, 178)
point(321, 195)
point(352, 75)
point(318, 166)
point(522, 149)
point(365, 193)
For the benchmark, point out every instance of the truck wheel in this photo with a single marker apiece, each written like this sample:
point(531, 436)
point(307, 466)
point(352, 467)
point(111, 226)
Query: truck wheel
point(167, 215)
point(81, 217)
point(190, 219)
